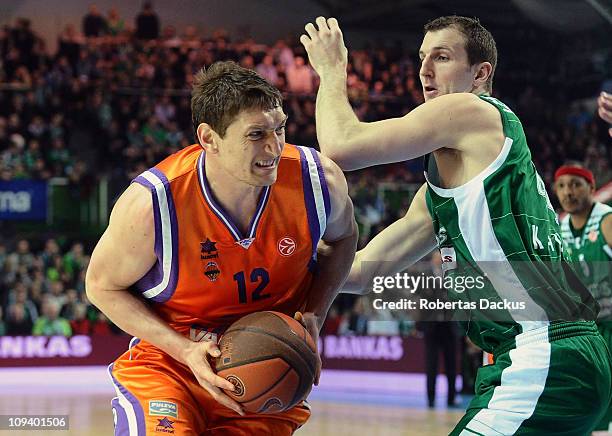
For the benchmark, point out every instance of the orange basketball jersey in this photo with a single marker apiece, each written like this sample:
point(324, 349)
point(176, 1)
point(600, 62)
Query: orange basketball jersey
point(207, 273)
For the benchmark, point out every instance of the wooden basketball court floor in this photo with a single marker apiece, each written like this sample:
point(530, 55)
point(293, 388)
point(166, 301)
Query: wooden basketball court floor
point(336, 411)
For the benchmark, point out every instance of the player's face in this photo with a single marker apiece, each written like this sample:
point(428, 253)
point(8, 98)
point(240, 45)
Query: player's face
point(253, 143)
point(574, 193)
point(444, 64)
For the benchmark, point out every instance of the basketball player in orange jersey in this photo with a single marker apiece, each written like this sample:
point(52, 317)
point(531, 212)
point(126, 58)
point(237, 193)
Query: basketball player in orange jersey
point(239, 223)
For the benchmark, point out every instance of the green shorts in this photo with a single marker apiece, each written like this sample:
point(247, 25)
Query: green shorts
point(605, 328)
point(554, 380)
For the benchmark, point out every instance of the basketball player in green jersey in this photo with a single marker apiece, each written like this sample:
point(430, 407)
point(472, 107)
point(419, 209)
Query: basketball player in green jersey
point(587, 233)
point(487, 207)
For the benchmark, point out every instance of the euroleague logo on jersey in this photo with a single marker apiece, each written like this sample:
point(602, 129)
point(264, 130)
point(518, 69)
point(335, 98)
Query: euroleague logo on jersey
point(286, 246)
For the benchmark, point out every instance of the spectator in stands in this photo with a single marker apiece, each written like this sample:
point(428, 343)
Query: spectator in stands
point(51, 250)
point(70, 42)
point(50, 323)
point(300, 77)
point(334, 323)
point(147, 23)
point(358, 321)
point(22, 256)
point(101, 326)
point(80, 324)
point(23, 39)
point(115, 25)
point(17, 322)
point(94, 24)
point(190, 38)
point(55, 272)
point(283, 54)
point(19, 295)
point(267, 69)
point(37, 290)
point(170, 37)
point(74, 260)
point(69, 307)
point(165, 110)
point(57, 292)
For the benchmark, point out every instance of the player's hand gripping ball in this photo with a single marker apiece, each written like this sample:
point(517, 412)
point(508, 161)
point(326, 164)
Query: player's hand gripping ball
point(270, 359)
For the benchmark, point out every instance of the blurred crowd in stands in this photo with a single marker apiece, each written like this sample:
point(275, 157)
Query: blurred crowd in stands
point(43, 291)
point(113, 100)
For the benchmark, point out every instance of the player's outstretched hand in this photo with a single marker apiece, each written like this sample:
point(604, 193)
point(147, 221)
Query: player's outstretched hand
point(604, 103)
point(312, 324)
point(196, 358)
point(325, 47)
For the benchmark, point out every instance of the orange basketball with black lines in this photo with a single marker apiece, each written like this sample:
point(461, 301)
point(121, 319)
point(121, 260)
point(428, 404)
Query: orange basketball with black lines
point(270, 358)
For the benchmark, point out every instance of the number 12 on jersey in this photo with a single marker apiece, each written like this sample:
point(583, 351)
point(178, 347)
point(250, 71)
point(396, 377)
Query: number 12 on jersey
point(259, 276)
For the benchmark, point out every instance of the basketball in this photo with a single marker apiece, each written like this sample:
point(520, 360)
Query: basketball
point(270, 358)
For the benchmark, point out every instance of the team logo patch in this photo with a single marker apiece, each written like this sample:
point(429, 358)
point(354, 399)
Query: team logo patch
point(208, 250)
point(163, 408)
point(164, 425)
point(238, 385)
point(212, 271)
point(593, 236)
point(286, 246)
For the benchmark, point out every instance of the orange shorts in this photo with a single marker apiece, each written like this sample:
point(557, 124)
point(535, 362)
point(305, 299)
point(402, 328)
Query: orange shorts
point(157, 395)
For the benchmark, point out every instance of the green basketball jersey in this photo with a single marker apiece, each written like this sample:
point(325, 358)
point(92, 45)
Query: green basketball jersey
point(501, 226)
point(592, 256)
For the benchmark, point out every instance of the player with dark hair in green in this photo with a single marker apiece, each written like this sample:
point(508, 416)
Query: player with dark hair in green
point(487, 208)
point(587, 233)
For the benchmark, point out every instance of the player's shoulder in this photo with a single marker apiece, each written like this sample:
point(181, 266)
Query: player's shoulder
point(466, 111)
point(312, 161)
point(291, 152)
point(602, 209)
point(134, 205)
point(606, 226)
point(175, 166)
point(459, 99)
point(565, 219)
point(308, 156)
point(334, 178)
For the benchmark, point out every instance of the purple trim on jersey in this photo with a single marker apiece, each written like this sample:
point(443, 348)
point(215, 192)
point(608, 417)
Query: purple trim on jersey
point(144, 182)
point(140, 420)
point(167, 293)
point(222, 214)
point(309, 201)
point(209, 198)
point(312, 265)
point(122, 427)
point(133, 342)
point(324, 187)
point(259, 210)
point(156, 274)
